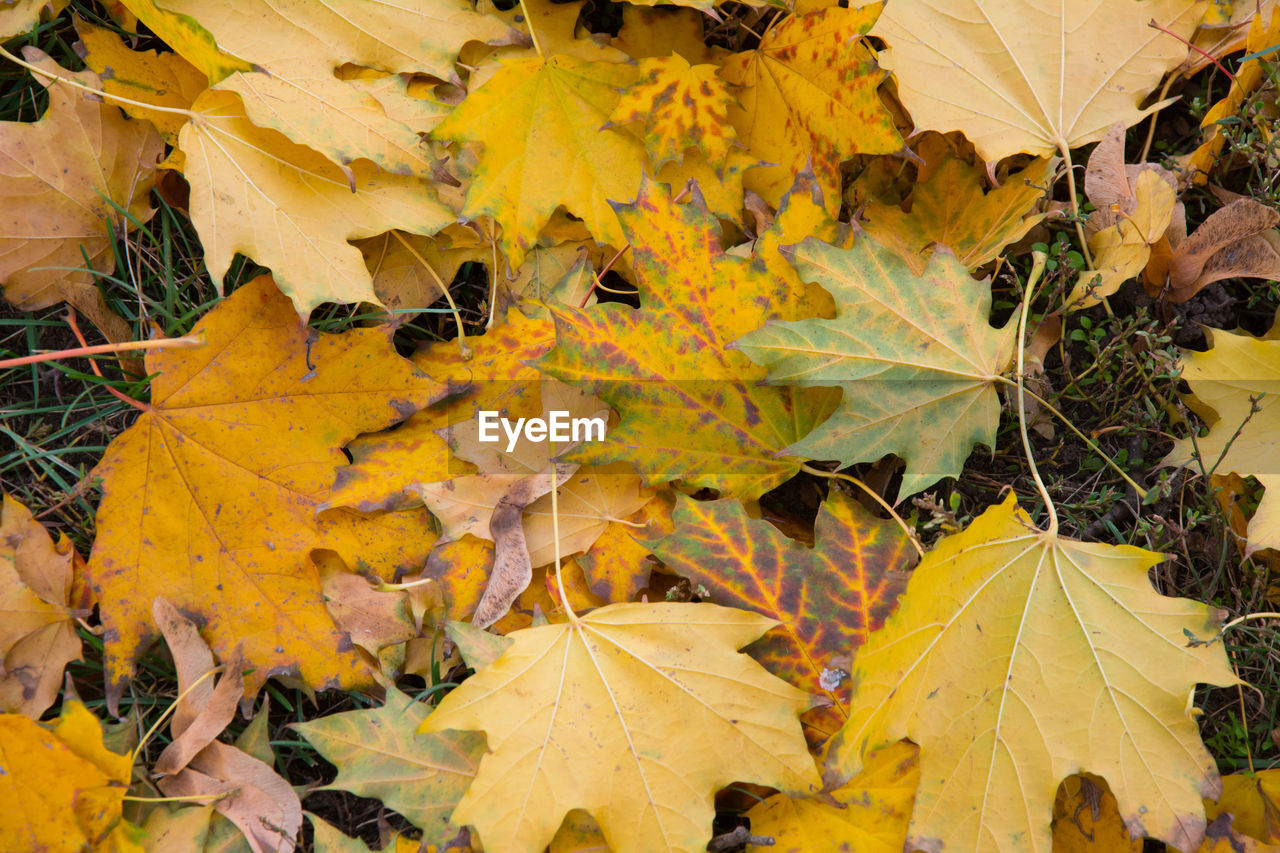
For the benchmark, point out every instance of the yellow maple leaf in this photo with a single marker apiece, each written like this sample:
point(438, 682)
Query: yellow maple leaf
point(211, 495)
point(38, 630)
point(19, 16)
point(635, 713)
point(950, 209)
point(187, 37)
point(148, 76)
point(63, 178)
point(286, 206)
point(1238, 373)
point(682, 106)
point(1070, 660)
point(868, 814)
point(808, 95)
point(1253, 801)
point(539, 121)
point(62, 789)
point(1027, 76)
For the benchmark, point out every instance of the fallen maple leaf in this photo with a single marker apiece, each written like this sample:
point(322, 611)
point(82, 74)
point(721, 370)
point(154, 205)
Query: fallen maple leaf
point(1228, 382)
point(690, 408)
point(916, 357)
point(539, 121)
point(1253, 801)
point(19, 16)
point(145, 76)
point(869, 814)
point(1024, 76)
point(379, 754)
point(38, 630)
point(808, 97)
point(210, 497)
point(1070, 660)
point(62, 789)
point(1086, 819)
point(682, 107)
point(289, 208)
point(826, 598)
point(635, 713)
point(64, 178)
point(295, 52)
point(950, 209)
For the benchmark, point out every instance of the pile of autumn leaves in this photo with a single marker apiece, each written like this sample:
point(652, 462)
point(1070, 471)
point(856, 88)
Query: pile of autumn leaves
point(367, 160)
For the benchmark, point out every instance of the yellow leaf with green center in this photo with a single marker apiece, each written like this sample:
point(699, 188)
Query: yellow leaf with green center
point(1238, 374)
point(690, 408)
point(1017, 658)
point(540, 121)
point(635, 713)
point(682, 106)
point(1029, 76)
point(808, 95)
point(950, 209)
point(915, 355)
point(291, 209)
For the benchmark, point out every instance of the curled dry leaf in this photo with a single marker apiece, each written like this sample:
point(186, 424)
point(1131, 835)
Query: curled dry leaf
point(253, 796)
point(1236, 241)
point(512, 570)
point(37, 623)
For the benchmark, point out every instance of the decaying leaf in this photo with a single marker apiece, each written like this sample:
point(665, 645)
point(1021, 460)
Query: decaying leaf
point(636, 713)
point(61, 180)
point(1253, 801)
point(827, 598)
point(211, 495)
point(915, 356)
point(379, 754)
point(1235, 241)
point(1237, 375)
point(808, 99)
point(253, 796)
point(1070, 659)
point(512, 569)
point(682, 107)
point(1026, 76)
point(1087, 820)
point(690, 408)
point(37, 622)
point(869, 814)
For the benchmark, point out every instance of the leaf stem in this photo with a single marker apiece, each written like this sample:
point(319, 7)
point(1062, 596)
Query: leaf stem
point(444, 288)
point(1142, 493)
point(555, 536)
point(1037, 269)
point(188, 342)
point(75, 84)
point(1075, 202)
point(137, 750)
point(836, 475)
point(528, 19)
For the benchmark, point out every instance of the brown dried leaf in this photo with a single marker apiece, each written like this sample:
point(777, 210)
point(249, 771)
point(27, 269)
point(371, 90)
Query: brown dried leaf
point(1235, 241)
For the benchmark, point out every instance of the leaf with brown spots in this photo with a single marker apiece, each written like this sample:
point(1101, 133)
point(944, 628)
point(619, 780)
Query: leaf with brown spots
point(37, 624)
point(827, 598)
point(690, 407)
point(211, 495)
point(808, 95)
point(682, 107)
